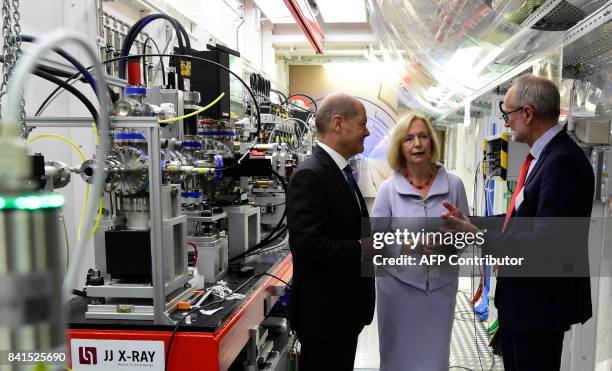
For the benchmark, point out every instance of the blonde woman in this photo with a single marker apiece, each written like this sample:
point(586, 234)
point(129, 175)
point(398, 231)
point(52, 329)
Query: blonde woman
point(415, 308)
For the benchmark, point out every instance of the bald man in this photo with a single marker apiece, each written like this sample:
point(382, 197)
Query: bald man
point(331, 301)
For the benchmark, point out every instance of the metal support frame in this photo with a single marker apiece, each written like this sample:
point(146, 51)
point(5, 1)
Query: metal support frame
point(155, 204)
point(540, 13)
point(598, 18)
point(588, 24)
point(153, 145)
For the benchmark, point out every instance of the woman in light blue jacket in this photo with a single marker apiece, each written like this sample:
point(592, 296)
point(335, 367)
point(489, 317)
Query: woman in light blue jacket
point(415, 307)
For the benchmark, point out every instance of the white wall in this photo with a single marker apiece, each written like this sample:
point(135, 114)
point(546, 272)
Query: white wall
point(80, 17)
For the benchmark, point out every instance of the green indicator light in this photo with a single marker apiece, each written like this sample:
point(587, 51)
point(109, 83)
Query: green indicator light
point(32, 202)
point(28, 202)
point(54, 200)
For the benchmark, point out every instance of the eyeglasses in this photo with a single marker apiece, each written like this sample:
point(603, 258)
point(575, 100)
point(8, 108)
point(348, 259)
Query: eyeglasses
point(506, 115)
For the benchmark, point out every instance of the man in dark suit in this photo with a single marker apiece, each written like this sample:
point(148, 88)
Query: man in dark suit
point(331, 300)
point(556, 183)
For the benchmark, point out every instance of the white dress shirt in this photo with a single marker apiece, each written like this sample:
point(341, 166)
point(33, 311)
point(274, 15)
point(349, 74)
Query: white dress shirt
point(340, 161)
point(338, 158)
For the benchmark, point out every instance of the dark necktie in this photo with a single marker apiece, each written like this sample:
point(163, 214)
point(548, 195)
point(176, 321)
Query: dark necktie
point(350, 179)
point(352, 183)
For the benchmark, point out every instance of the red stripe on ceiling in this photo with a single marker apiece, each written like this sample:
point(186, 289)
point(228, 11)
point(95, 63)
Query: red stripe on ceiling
point(301, 12)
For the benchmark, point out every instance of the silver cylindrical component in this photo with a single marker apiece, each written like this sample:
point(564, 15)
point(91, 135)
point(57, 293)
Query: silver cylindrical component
point(129, 107)
point(265, 147)
point(136, 211)
point(31, 316)
point(58, 173)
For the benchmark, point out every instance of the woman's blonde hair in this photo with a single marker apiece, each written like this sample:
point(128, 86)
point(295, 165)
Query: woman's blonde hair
point(399, 132)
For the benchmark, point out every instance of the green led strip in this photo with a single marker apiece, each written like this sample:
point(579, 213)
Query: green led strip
point(31, 202)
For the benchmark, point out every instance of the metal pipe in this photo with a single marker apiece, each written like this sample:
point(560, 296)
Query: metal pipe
point(232, 8)
point(237, 30)
point(157, 252)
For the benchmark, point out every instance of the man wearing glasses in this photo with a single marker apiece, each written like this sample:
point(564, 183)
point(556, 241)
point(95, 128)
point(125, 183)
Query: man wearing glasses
point(556, 181)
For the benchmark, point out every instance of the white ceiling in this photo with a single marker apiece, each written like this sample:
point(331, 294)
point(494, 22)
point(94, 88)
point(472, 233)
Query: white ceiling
point(343, 11)
point(343, 40)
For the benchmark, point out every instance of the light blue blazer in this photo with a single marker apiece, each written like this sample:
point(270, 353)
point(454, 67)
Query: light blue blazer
point(397, 198)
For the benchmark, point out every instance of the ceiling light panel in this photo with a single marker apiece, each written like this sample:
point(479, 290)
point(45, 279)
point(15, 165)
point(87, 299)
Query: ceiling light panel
point(343, 11)
point(275, 11)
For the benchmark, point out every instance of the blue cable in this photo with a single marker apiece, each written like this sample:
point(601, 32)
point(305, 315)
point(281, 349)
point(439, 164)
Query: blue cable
point(218, 174)
point(486, 205)
point(90, 80)
point(488, 192)
point(490, 195)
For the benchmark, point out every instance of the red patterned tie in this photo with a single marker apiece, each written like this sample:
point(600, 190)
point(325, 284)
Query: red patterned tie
point(519, 187)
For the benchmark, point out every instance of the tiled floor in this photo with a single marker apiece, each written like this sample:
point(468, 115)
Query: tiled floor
point(469, 342)
point(469, 349)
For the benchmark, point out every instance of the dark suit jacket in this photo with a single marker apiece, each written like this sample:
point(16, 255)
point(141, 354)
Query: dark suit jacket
point(561, 184)
point(329, 295)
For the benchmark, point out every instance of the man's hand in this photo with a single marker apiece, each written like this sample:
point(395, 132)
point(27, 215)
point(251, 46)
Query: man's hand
point(456, 221)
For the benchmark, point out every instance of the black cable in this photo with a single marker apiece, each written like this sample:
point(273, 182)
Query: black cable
point(233, 165)
point(161, 61)
point(193, 310)
point(280, 179)
point(231, 202)
point(280, 95)
point(181, 36)
point(49, 71)
point(54, 71)
point(184, 44)
point(474, 195)
point(278, 226)
point(90, 107)
point(179, 323)
point(460, 315)
point(476, 341)
point(314, 102)
point(258, 117)
point(301, 136)
point(114, 96)
point(68, 57)
point(486, 195)
point(258, 252)
point(80, 293)
point(274, 234)
point(280, 279)
point(50, 96)
point(508, 187)
point(475, 330)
